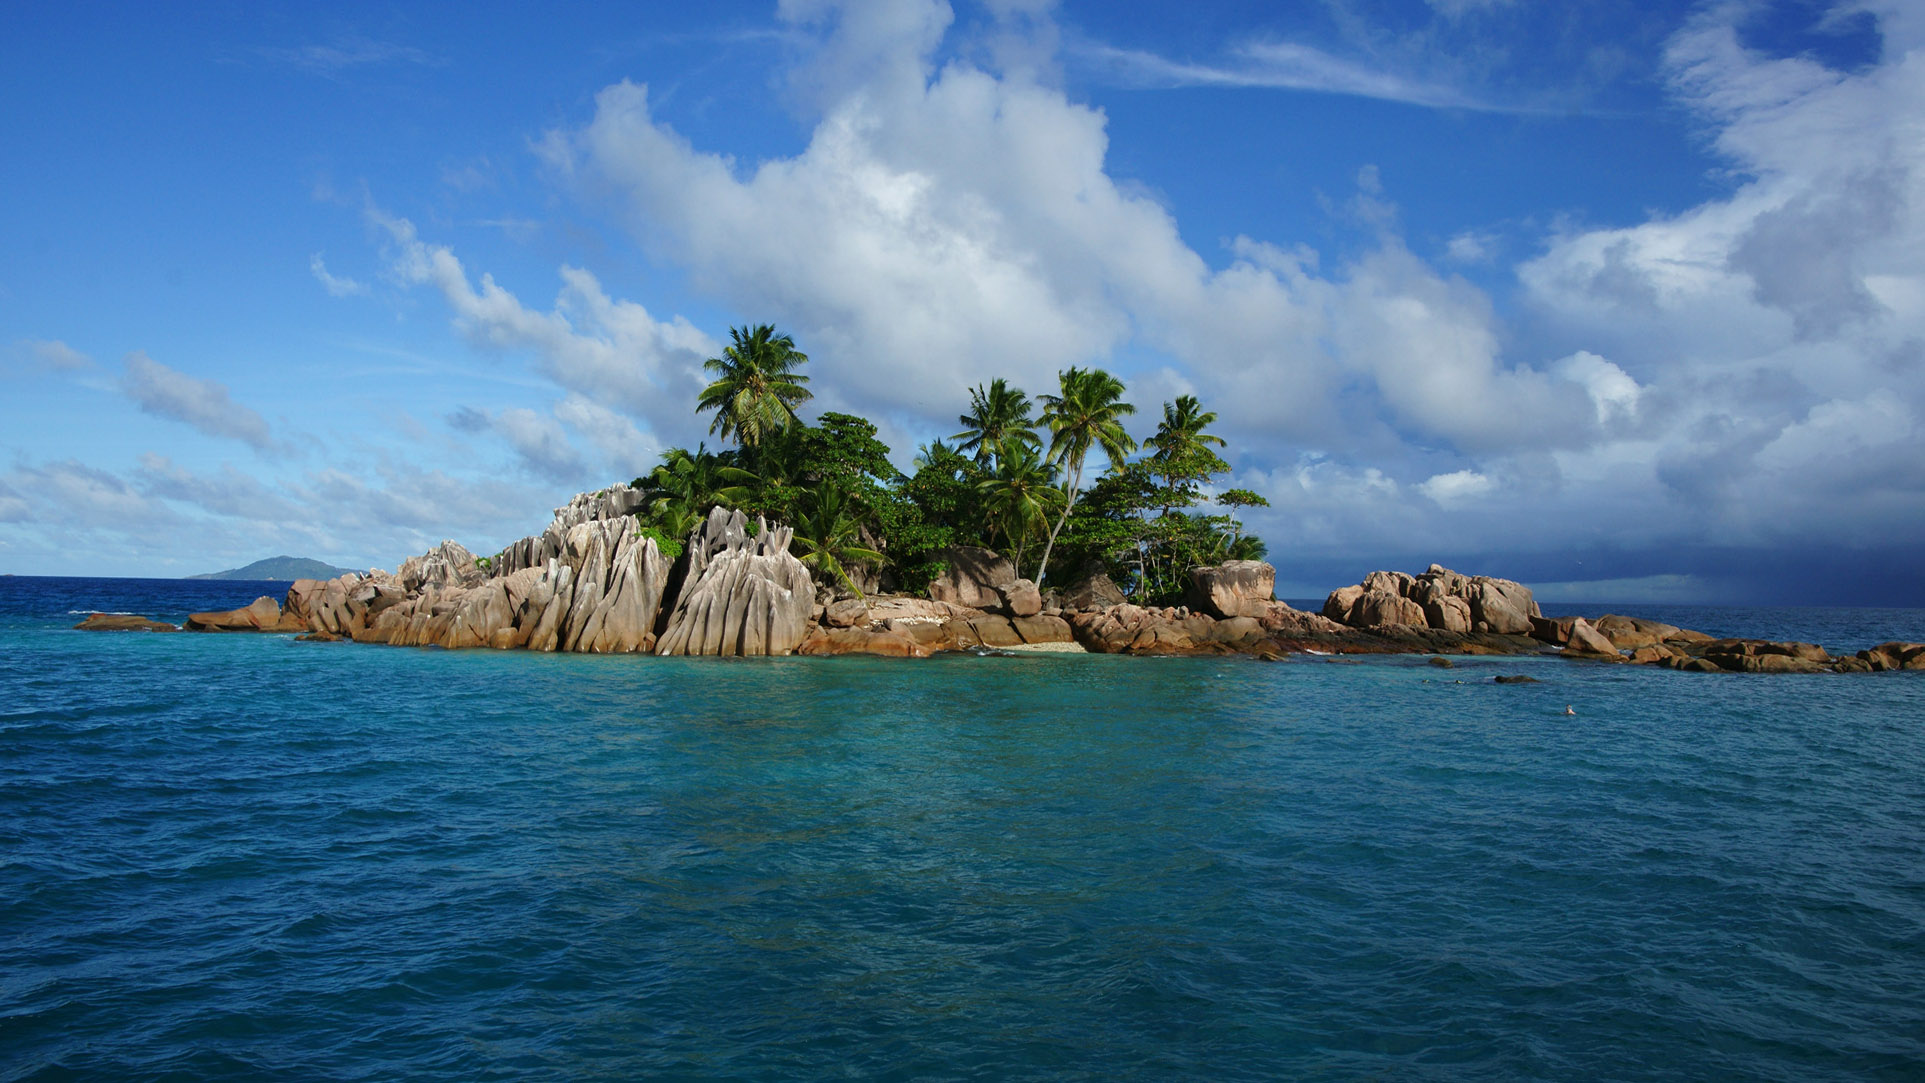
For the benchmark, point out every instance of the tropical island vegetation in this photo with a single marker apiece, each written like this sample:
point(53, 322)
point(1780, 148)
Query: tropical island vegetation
point(1017, 479)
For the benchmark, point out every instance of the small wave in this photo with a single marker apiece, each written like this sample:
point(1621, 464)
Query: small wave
point(108, 612)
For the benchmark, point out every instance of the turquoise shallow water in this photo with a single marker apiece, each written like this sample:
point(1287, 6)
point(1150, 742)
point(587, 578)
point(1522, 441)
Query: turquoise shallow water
point(241, 857)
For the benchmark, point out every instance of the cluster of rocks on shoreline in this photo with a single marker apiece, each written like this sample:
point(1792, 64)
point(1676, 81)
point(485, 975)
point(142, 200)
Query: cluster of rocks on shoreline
point(593, 583)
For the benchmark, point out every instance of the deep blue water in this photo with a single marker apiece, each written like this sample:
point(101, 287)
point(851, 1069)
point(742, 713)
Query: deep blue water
point(243, 857)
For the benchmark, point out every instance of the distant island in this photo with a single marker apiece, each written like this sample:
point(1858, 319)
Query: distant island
point(280, 569)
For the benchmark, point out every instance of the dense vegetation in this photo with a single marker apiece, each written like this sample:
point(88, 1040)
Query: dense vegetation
point(1014, 480)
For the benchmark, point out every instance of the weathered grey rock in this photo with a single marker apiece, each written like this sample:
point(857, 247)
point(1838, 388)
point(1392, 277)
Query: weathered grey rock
point(744, 594)
point(972, 576)
point(618, 593)
point(1236, 588)
point(449, 564)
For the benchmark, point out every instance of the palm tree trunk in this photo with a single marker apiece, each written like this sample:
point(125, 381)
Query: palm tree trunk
point(1075, 484)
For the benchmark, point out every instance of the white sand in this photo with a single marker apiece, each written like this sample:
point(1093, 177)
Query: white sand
point(1046, 648)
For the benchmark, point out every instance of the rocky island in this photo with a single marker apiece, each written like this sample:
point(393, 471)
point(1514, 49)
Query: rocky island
point(594, 582)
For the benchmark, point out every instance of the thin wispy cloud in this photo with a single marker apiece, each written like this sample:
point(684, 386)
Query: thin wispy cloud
point(57, 355)
point(336, 285)
point(1290, 66)
point(203, 404)
point(345, 53)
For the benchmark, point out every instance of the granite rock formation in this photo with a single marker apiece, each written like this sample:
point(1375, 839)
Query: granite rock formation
point(1237, 588)
point(744, 594)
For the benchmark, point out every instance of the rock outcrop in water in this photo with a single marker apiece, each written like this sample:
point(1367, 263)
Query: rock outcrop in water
point(1439, 599)
point(744, 593)
point(591, 582)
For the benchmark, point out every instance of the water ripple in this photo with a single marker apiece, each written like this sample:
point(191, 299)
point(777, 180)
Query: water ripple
point(245, 859)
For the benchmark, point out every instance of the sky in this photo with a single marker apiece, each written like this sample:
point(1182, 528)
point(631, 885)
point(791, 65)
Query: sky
point(1623, 300)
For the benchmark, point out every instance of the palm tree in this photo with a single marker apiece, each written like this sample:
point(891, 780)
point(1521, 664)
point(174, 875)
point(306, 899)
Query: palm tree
point(997, 417)
point(756, 388)
point(1082, 416)
point(1184, 452)
point(1181, 432)
point(690, 483)
point(1021, 496)
point(933, 453)
point(827, 531)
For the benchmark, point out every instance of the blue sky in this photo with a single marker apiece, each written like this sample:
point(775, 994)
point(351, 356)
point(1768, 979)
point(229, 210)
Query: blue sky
point(1626, 300)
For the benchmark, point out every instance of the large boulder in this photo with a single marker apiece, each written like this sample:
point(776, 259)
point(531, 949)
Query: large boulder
point(1448, 612)
point(263, 614)
point(1378, 608)
point(1237, 588)
point(744, 593)
point(1630, 633)
point(1021, 598)
point(1890, 656)
point(847, 613)
point(886, 643)
point(972, 576)
point(1342, 602)
point(1041, 629)
point(1585, 639)
point(1501, 605)
point(1096, 591)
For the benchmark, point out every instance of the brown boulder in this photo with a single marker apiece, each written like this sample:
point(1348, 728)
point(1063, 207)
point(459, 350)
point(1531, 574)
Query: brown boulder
point(886, 643)
point(1020, 598)
point(847, 613)
point(1553, 630)
point(1092, 592)
point(1630, 633)
point(1380, 607)
point(995, 630)
point(1398, 583)
point(260, 615)
point(1501, 605)
point(1342, 602)
point(1588, 640)
point(122, 622)
point(1041, 629)
point(1890, 656)
point(1448, 613)
point(1237, 588)
point(971, 576)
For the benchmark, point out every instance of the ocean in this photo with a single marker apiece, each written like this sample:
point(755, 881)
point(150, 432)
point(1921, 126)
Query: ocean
point(245, 857)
